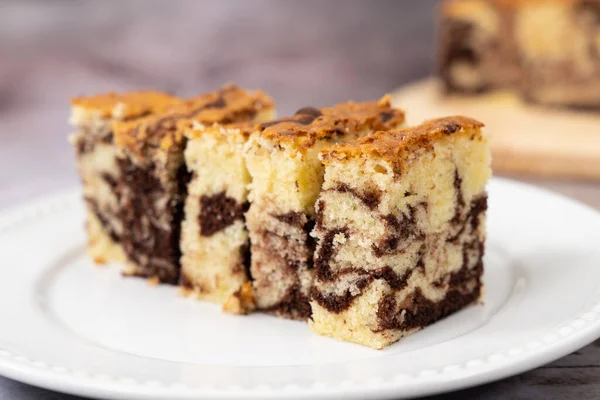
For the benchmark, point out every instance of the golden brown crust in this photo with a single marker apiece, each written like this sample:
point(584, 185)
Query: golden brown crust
point(391, 145)
point(227, 105)
point(126, 105)
point(309, 124)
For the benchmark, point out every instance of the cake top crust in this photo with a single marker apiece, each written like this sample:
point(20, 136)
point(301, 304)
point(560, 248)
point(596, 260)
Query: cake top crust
point(227, 105)
point(125, 106)
point(308, 124)
point(391, 145)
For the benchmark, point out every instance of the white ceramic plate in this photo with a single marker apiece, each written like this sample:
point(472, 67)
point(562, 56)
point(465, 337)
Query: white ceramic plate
point(70, 326)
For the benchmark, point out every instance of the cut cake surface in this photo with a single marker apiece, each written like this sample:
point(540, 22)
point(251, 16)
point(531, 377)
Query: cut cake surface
point(286, 177)
point(151, 181)
point(97, 154)
point(400, 230)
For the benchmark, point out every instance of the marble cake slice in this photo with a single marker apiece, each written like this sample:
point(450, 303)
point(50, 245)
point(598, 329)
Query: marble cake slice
point(477, 51)
point(286, 177)
point(153, 177)
point(214, 240)
point(559, 45)
point(546, 50)
point(400, 231)
point(97, 161)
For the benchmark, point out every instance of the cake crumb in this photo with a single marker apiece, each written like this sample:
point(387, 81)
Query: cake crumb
point(99, 261)
point(184, 291)
point(128, 270)
point(153, 281)
point(241, 301)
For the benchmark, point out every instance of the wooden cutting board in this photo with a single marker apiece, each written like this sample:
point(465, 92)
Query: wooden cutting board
point(525, 139)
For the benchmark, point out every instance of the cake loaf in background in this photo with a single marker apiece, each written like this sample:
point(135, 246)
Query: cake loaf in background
point(400, 230)
point(153, 178)
point(214, 240)
point(547, 50)
point(286, 177)
point(97, 161)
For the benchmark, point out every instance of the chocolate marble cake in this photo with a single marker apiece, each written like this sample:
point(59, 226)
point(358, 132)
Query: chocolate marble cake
point(214, 239)
point(98, 164)
point(400, 230)
point(548, 50)
point(286, 177)
point(153, 177)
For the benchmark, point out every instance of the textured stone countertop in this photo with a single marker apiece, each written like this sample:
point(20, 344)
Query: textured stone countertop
point(303, 53)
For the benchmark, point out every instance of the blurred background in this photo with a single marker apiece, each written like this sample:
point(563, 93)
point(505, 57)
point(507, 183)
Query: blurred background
point(302, 53)
point(310, 52)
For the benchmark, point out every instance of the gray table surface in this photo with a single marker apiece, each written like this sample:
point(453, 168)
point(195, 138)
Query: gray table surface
point(303, 53)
